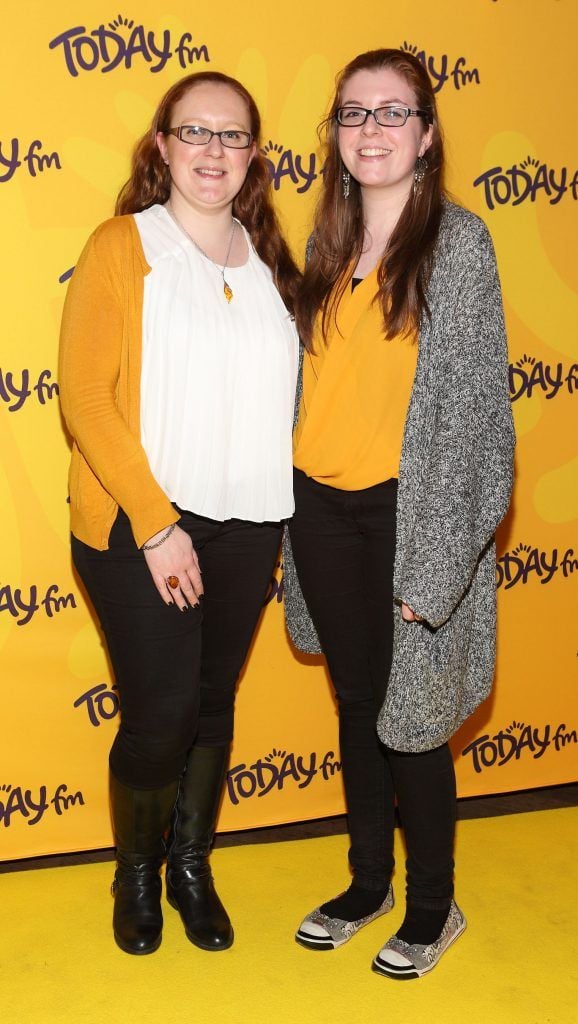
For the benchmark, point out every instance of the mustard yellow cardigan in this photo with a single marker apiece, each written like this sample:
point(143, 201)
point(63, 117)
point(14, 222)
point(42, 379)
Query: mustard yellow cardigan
point(99, 377)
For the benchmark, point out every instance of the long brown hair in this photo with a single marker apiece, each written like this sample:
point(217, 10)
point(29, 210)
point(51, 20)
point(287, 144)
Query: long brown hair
point(150, 182)
point(338, 232)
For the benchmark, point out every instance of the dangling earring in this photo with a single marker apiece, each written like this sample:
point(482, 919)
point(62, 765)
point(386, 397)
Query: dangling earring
point(421, 166)
point(346, 179)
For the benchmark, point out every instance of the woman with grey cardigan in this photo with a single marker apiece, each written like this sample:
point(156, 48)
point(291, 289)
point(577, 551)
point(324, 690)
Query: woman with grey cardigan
point(403, 469)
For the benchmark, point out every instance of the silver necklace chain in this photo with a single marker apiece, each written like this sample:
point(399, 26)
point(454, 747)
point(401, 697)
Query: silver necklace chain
point(227, 290)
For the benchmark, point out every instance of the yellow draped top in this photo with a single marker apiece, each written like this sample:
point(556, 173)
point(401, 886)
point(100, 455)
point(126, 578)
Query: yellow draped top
point(356, 391)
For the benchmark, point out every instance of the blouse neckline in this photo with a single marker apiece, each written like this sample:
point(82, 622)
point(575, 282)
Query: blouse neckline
point(181, 235)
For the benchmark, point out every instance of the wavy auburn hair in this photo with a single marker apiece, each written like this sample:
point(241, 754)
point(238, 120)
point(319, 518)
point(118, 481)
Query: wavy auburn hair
point(150, 183)
point(338, 232)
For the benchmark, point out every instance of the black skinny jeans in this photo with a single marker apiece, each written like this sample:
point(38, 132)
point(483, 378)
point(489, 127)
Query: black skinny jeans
point(344, 547)
point(176, 671)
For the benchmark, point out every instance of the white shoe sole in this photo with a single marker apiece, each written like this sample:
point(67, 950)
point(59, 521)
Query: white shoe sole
point(411, 972)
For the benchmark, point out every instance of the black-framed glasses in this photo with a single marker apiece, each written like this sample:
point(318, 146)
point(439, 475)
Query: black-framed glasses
point(390, 116)
point(195, 135)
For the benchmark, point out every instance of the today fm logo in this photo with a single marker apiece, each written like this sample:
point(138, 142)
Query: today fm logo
point(443, 69)
point(528, 375)
point(516, 740)
point(17, 387)
point(23, 604)
point(29, 156)
point(33, 804)
point(275, 770)
point(283, 164)
point(525, 562)
point(121, 42)
point(526, 180)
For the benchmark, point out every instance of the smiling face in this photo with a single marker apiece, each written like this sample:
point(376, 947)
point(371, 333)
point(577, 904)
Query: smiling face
point(382, 159)
point(208, 177)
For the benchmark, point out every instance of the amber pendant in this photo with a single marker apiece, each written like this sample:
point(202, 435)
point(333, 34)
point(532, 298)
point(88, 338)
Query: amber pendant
point(227, 291)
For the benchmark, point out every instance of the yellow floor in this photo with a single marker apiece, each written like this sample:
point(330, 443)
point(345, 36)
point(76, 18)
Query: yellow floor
point(517, 961)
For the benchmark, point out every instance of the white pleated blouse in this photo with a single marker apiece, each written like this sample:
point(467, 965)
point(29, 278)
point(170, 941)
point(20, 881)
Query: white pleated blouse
point(218, 379)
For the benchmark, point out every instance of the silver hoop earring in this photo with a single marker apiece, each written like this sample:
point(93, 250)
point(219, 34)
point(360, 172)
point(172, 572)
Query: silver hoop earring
point(346, 180)
point(421, 166)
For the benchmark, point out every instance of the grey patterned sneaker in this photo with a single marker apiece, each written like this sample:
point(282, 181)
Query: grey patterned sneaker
point(318, 931)
point(398, 959)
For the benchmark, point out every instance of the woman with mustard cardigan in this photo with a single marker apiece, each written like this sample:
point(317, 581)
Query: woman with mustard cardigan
point(177, 374)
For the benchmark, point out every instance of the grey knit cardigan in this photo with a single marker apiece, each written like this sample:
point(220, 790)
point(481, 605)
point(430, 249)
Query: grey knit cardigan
point(455, 482)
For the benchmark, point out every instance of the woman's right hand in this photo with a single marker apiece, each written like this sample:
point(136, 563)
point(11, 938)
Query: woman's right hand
point(177, 557)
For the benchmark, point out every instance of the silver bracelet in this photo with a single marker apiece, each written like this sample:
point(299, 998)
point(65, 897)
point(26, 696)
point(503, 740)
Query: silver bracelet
point(157, 543)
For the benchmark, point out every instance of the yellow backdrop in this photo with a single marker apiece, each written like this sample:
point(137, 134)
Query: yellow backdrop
point(80, 81)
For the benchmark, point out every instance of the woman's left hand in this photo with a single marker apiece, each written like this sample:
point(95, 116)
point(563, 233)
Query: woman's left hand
point(408, 615)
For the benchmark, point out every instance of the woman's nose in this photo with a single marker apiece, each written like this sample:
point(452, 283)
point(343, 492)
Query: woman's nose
point(371, 127)
point(215, 146)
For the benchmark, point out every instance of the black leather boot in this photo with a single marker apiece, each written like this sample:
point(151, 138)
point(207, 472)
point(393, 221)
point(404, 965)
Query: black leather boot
point(190, 888)
point(140, 818)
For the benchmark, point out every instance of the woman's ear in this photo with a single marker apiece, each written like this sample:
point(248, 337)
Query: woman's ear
point(162, 146)
point(426, 141)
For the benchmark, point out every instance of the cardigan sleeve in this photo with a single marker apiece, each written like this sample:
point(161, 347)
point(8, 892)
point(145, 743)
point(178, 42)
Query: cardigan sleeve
point(94, 325)
point(467, 480)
